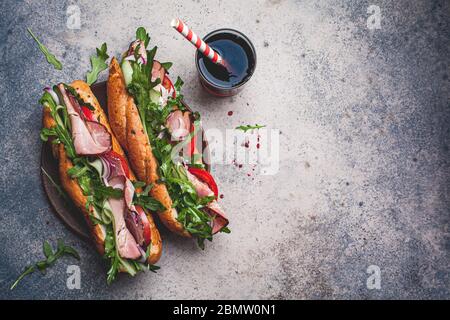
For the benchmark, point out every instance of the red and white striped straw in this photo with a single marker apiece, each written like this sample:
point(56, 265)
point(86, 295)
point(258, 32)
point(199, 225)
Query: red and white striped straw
point(182, 28)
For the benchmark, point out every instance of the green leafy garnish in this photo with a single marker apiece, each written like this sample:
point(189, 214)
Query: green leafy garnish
point(166, 65)
point(141, 34)
point(61, 131)
point(49, 56)
point(98, 64)
point(249, 127)
point(144, 200)
point(51, 257)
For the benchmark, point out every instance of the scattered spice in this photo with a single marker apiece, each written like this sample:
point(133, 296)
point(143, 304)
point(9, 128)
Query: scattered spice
point(230, 113)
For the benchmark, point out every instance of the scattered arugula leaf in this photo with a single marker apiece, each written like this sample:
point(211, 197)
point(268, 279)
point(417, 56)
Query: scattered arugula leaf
point(49, 56)
point(47, 249)
point(98, 64)
point(249, 127)
point(51, 258)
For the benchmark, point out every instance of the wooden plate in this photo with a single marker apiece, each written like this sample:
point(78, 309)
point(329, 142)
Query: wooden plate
point(65, 209)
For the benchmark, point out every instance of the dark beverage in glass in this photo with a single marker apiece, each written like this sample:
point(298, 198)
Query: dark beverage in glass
point(239, 57)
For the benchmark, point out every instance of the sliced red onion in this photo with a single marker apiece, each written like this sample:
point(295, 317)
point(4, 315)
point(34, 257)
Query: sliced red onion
point(106, 170)
point(143, 254)
point(142, 60)
point(53, 94)
point(130, 58)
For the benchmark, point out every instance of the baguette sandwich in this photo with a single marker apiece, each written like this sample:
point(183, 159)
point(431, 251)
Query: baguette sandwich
point(95, 174)
point(160, 136)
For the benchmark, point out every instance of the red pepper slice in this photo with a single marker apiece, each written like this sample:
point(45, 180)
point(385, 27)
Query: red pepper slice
point(167, 84)
point(88, 113)
point(205, 177)
point(122, 160)
point(193, 142)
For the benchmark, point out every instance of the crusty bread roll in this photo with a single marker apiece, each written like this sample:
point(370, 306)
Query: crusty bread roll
point(71, 185)
point(126, 124)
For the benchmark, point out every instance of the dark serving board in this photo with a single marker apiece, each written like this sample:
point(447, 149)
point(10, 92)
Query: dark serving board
point(65, 209)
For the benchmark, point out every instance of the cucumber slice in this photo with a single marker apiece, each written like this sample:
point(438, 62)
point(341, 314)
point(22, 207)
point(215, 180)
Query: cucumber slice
point(127, 71)
point(154, 96)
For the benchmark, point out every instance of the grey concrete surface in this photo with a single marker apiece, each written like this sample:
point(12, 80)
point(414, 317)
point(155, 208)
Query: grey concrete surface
point(364, 149)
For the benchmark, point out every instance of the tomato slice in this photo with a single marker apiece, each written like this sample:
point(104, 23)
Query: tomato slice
point(205, 177)
point(122, 160)
point(88, 113)
point(147, 232)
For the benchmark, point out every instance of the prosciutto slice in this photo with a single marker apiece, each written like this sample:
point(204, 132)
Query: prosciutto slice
point(89, 137)
point(213, 208)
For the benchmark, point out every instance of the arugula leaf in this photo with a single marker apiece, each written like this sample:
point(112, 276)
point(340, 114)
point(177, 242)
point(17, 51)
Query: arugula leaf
point(138, 184)
point(48, 133)
point(50, 57)
point(153, 268)
point(142, 34)
point(108, 192)
point(61, 129)
point(77, 171)
point(166, 65)
point(71, 251)
point(28, 270)
point(249, 127)
point(48, 251)
point(225, 230)
point(98, 64)
point(148, 203)
point(51, 258)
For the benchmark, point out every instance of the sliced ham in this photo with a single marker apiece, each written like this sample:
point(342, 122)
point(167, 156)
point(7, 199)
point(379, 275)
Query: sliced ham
point(134, 218)
point(158, 71)
point(99, 134)
point(126, 244)
point(89, 137)
point(220, 220)
point(178, 124)
point(202, 189)
point(213, 208)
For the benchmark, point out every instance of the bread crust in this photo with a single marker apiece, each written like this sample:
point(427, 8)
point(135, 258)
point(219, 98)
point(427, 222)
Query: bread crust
point(126, 124)
point(72, 187)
